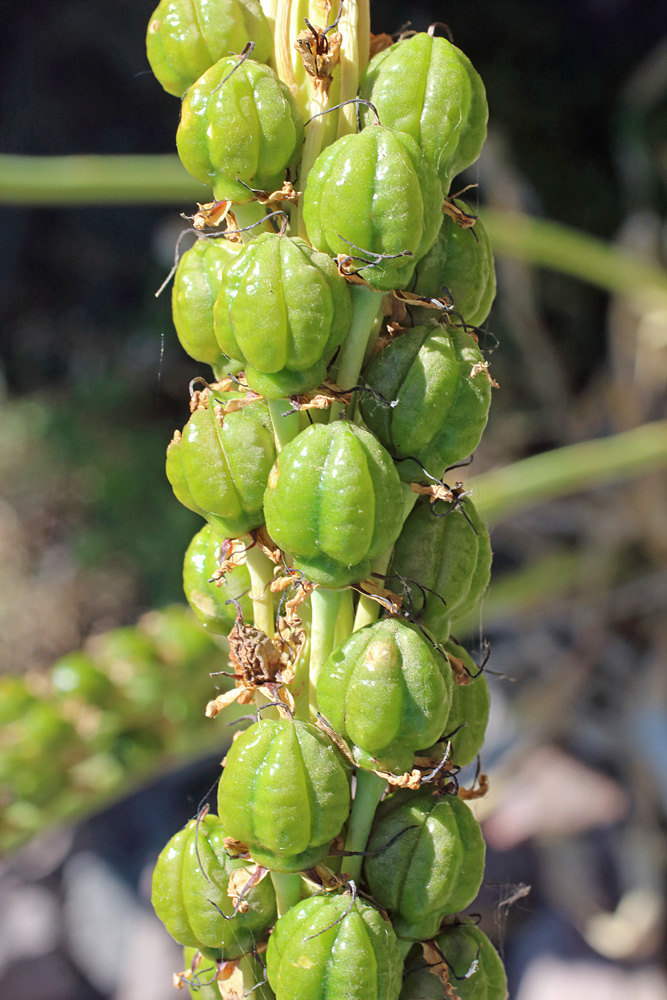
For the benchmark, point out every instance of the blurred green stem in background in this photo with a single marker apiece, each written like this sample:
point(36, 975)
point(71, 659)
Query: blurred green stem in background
point(160, 179)
point(572, 469)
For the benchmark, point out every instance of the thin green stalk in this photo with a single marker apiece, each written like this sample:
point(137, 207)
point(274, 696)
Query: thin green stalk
point(345, 619)
point(572, 469)
point(370, 788)
point(284, 427)
point(404, 947)
point(248, 215)
point(324, 605)
point(365, 306)
point(260, 569)
point(549, 244)
point(288, 890)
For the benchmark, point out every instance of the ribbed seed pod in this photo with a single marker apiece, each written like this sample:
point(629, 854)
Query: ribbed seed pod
point(247, 128)
point(334, 502)
point(476, 969)
point(319, 949)
point(436, 378)
point(282, 311)
point(209, 600)
point(430, 871)
point(426, 87)
point(186, 37)
point(219, 466)
point(448, 555)
point(196, 286)
point(469, 713)
point(190, 888)
point(385, 691)
point(460, 263)
point(371, 194)
point(285, 793)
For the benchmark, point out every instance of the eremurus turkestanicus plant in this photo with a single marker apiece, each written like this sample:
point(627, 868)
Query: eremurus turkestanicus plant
point(335, 290)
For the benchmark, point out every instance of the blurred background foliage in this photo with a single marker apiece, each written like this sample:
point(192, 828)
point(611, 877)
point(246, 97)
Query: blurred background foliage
point(94, 382)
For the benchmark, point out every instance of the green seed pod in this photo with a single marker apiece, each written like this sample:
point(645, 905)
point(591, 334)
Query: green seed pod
point(206, 599)
point(430, 871)
point(323, 948)
point(443, 398)
point(383, 691)
point(185, 37)
point(448, 555)
point(219, 466)
point(470, 710)
point(449, 122)
point(76, 676)
point(247, 129)
point(476, 969)
point(460, 262)
point(419, 982)
point(190, 884)
point(285, 793)
point(283, 310)
point(334, 502)
point(200, 975)
point(371, 194)
point(196, 285)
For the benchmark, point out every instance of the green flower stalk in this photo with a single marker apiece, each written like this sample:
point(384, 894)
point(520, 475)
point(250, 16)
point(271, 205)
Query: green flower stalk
point(307, 459)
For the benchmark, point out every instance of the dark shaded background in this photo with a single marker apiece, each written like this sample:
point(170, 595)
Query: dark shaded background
point(93, 383)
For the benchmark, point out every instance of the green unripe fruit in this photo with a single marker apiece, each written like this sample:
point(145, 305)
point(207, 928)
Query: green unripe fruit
point(319, 950)
point(430, 871)
point(449, 121)
point(190, 885)
point(442, 398)
point(459, 262)
point(219, 466)
point(283, 310)
point(470, 710)
point(447, 555)
point(186, 37)
point(477, 966)
point(76, 676)
point(374, 193)
point(334, 502)
point(386, 692)
point(248, 129)
point(206, 599)
point(196, 285)
point(419, 982)
point(285, 793)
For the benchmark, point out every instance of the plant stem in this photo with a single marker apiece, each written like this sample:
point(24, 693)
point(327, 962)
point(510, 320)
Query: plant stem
point(366, 799)
point(355, 27)
point(572, 469)
point(260, 569)
point(247, 215)
point(345, 619)
point(549, 244)
point(324, 605)
point(288, 890)
point(284, 427)
point(404, 947)
point(365, 305)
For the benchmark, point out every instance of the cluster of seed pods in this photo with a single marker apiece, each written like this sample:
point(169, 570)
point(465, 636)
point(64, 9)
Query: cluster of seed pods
point(336, 290)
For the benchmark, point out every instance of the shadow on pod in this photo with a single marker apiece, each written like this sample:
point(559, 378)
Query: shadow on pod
point(429, 862)
point(468, 716)
point(440, 393)
point(448, 555)
point(200, 974)
point(329, 946)
point(463, 954)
